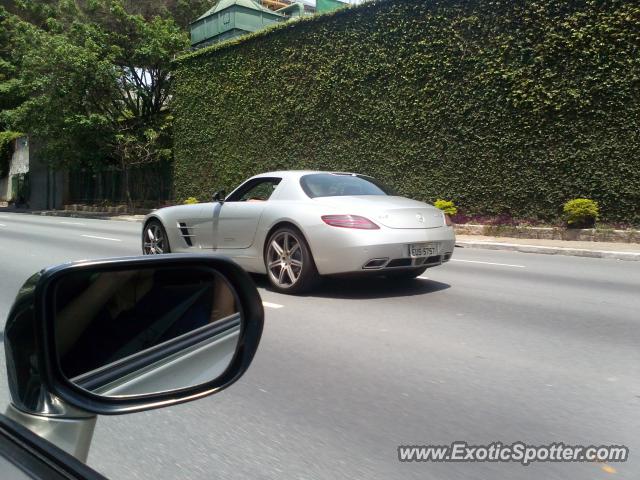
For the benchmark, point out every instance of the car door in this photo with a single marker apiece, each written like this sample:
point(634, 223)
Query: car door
point(25, 455)
point(235, 221)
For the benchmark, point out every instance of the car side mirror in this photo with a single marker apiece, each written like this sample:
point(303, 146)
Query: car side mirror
point(131, 334)
point(219, 196)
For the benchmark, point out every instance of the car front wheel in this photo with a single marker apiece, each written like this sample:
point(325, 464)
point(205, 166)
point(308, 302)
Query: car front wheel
point(154, 239)
point(289, 262)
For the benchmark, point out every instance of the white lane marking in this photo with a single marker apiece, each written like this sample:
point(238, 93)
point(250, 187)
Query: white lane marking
point(488, 263)
point(71, 223)
point(2, 225)
point(272, 305)
point(102, 238)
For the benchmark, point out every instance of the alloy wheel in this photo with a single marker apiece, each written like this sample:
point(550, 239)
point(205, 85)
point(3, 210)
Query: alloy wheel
point(154, 241)
point(284, 260)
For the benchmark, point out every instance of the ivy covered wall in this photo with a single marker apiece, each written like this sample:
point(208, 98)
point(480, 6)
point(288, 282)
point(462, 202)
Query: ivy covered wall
point(502, 106)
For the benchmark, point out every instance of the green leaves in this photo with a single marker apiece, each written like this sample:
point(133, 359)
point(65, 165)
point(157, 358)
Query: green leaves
point(6, 150)
point(90, 80)
point(505, 107)
point(447, 206)
point(581, 212)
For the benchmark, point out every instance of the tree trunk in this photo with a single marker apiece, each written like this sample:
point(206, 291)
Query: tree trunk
point(127, 188)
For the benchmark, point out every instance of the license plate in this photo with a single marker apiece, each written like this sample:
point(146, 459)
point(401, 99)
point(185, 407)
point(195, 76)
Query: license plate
point(417, 250)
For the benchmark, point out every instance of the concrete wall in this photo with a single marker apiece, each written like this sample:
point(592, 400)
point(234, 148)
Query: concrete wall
point(49, 188)
point(20, 159)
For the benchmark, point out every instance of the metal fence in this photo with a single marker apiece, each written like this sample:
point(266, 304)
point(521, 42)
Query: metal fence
point(149, 185)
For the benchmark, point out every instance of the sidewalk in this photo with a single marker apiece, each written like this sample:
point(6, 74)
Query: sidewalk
point(75, 214)
point(91, 215)
point(619, 251)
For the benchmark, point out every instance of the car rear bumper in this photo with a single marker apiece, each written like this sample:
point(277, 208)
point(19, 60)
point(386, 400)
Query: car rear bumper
point(343, 250)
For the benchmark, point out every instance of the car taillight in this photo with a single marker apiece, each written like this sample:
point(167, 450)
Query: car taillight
point(448, 221)
point(350, 221)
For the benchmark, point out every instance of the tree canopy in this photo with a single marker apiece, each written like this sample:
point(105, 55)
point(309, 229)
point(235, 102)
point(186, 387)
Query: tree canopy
point(90, 79)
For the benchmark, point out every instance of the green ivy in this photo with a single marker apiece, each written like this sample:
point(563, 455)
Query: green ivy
point(7, 140)
point(503, 107)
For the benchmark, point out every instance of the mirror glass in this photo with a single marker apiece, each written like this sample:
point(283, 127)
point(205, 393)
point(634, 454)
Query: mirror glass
point(133, 332)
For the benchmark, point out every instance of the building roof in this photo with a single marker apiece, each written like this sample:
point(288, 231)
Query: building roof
point(224, 4)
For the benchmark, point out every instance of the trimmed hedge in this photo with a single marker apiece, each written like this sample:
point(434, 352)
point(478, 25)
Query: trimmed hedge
point(504, 107)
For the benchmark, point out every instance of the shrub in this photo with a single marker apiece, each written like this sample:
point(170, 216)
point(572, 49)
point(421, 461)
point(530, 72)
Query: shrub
point(447, 206)
point(581, 213)
point(191, 201)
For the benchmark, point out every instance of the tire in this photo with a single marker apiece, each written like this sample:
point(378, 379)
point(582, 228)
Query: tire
point(154, 239)
point(289, 262)
point(406, 274)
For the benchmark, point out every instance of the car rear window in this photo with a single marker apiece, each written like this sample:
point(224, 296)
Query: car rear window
point(341, 185)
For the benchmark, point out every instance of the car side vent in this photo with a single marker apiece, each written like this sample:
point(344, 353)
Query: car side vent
point(184, 231)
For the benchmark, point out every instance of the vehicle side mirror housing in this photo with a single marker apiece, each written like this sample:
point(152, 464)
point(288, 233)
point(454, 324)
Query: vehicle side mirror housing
point(131, 334)
point(219, 196)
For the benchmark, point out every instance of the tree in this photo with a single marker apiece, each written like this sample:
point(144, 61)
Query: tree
point(182, 11)
point(9, 88)
point(8, 84)
point(95, 80)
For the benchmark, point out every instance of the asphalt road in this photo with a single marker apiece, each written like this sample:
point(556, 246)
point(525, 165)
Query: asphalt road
point(494, 346)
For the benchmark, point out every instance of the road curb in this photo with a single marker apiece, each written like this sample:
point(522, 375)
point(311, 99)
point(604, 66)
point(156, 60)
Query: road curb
point(91, 216)
point(575, 252)
point(76, 214)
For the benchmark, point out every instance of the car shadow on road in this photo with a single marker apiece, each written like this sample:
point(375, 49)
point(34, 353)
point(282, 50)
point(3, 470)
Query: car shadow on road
point(366, 288)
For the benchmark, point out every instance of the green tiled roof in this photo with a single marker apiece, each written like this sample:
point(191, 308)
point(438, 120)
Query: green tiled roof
point(224, 4)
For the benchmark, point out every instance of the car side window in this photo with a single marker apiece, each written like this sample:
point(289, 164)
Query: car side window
point(259, 190)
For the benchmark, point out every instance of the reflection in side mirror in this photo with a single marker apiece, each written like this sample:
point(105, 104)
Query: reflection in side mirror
point(146, 330)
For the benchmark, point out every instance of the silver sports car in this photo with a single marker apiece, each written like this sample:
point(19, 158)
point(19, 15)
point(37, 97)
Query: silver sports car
point(296, 226)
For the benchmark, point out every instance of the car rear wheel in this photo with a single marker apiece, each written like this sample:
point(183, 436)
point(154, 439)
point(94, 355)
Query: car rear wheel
point(154, 239)
point(406, 274)
point(289, 262)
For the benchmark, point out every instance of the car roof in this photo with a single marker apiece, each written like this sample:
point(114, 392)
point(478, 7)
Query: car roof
point(297, 173)
point(290, 189)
